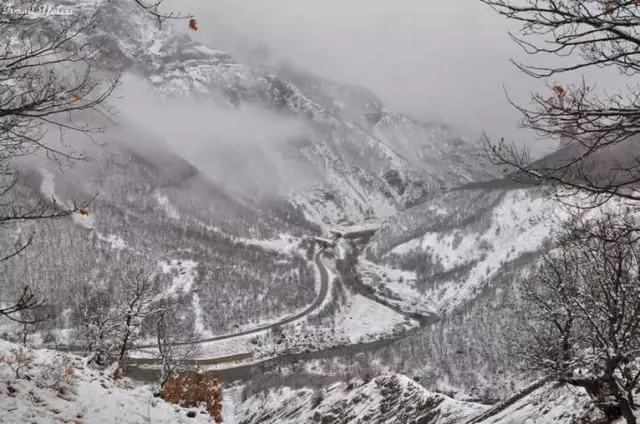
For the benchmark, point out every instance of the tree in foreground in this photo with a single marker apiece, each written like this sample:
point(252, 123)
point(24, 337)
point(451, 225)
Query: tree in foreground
point(96, 322)
point(599, 130)
point(175, 347)
point(178, 384)
point(581, 314)
point(138, 303)
point(47, 74)
point(50, 85)
point(108, 317)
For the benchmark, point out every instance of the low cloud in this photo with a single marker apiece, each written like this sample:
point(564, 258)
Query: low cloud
point(443, 60)
point(242, 149)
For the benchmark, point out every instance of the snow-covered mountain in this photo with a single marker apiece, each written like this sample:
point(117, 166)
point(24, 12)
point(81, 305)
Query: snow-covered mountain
point(153, 211)
point(239, 257)
point(398, 399)
point(364, 160)
point(386, 399)
point(449, 253)
point(156, 207)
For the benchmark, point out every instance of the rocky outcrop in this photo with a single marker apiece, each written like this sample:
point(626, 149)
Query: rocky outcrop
point(388, 399)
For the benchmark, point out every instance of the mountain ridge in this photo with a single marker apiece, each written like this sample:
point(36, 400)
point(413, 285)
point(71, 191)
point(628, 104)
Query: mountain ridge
point(349, 156)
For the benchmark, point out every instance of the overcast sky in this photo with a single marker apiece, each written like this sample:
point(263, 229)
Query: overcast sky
point(436, 59)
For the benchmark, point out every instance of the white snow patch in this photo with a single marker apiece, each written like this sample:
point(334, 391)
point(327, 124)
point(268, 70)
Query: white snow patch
point(519, 224)
point(163, 201)
point(367, 225)
point(155, 47)
point(284, 243)
point(116, 242)
point(399, 282)
point(184, 273)
point(365, 319)
point(198, 324)
point(89, 396)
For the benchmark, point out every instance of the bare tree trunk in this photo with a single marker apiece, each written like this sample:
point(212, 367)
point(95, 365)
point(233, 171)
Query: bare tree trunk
point(125, 341)
point(623, 401)
point(174, 349)
point(162, 353)
point(24, 334)
point(627, 411)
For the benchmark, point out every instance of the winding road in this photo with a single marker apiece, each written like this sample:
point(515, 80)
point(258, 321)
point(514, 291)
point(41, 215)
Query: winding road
point(141, 372)
point(322, 295)
point(139, 369)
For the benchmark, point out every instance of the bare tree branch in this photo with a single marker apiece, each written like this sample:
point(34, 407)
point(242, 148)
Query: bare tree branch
point(599, 132)
point(49, 73)
point(581, 313)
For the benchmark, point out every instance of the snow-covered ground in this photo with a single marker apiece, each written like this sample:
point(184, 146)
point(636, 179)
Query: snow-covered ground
point(184, 273)
point(358, 320)
point(519, 224)
point(469, 256)
point(389, 399)
point(42, 386)
point(365, 320)
point(207, 350)
point(399, 282)
point(114, 241)
point(56, 388)
point(367, 225)
point(283, 244)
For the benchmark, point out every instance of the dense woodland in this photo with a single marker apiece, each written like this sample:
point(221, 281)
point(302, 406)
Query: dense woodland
point(236, 283)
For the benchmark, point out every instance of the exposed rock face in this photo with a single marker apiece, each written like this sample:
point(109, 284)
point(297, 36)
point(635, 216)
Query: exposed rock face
point(388, 399)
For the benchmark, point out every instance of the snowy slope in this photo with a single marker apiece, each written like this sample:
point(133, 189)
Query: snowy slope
point(356, 150)
point(455, 252)
point(158, 213)
point(446, 252)
point(551, 404)
point(53, 387)
point(389, 399)
point(397, 399)
point(56, 388)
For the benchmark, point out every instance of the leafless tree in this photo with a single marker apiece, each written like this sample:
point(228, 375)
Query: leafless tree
point(97, 322)
point(46, 75)
point(593, 127)
point(174, 347)
point(32, 320)
point(49, 77)
point(582, 314)
point(139, 304)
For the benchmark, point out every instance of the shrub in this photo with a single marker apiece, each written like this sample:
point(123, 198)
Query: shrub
point(122, 368)
point(19, 361)
point(57, 373)
point(193, 390)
